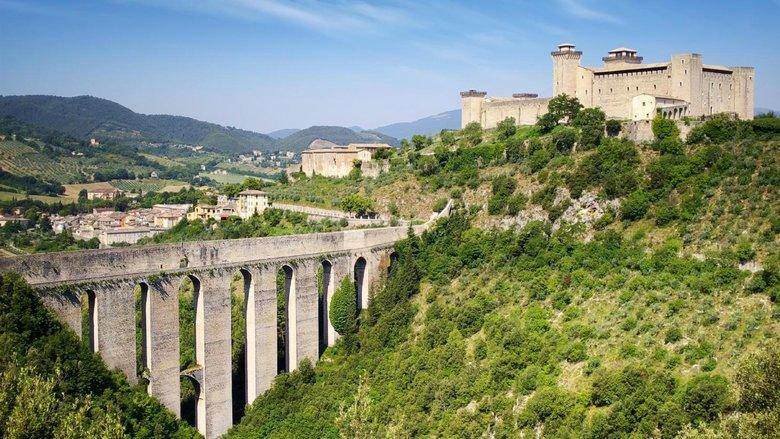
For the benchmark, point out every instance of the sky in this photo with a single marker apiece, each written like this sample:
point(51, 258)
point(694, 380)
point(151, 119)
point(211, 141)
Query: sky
point(264, 65)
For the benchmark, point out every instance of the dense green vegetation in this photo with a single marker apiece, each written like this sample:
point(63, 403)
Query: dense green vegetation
point(51, 385)
point(523, 329)
point(647, 323)
point(83, 117)
point(272, 222)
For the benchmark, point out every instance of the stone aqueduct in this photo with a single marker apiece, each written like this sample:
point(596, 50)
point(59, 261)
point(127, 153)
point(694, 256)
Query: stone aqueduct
point(109, 277)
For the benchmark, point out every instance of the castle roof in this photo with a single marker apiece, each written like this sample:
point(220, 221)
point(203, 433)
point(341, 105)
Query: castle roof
point(622, 49)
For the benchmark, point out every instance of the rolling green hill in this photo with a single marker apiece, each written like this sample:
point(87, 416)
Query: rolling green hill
point(86, 117)
point(618, 290)
point(301, 139)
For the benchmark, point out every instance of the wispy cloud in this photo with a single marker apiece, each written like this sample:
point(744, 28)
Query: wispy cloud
point(324, 16)
point(578, 9)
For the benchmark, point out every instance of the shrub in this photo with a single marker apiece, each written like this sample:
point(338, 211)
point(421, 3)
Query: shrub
point(664, 128)
point(516, 203)
point(506, 128)
point(591, 122)
point(635, 205)
point(472, 133)
point(665, 213)
point(613, 127)
point(420, 141)
point(343, 308)
point(758, 381)
point(720, 128)
point(564, 138)
point(671, 145)
point(705, 397)
point(503, 186)
point(440, 204)
point(673, 335)
point(514, 150)
point(357, 203)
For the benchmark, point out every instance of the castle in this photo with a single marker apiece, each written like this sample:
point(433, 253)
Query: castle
point(626, 89)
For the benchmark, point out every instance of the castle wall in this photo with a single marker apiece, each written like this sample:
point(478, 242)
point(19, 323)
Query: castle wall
point(524, 111)
point(335, 163)
point(717, 92)
point(613, 92)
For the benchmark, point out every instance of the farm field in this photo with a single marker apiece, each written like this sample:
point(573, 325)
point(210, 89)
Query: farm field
point(149, 185)
point(229, 178)
point(45, 198)
point(21, 159)
point(142, 185)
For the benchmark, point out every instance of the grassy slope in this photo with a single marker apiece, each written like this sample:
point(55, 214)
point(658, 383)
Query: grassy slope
point(457, 373)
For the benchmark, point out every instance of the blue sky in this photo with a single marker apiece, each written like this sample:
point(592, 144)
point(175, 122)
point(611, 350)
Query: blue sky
point(266, 65)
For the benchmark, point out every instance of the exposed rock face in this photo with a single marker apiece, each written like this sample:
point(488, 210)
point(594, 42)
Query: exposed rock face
point(586, 209)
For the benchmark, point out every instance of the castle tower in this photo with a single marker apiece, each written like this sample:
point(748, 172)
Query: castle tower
point(566, 61)
point(744, 93)
point(471, 107)
point(686, 81)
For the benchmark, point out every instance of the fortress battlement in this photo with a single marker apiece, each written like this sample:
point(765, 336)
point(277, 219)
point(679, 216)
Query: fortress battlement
point(626, 88)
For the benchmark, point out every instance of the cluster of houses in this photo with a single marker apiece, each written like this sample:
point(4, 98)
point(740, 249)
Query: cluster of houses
point(248, 203)
point(111, 227)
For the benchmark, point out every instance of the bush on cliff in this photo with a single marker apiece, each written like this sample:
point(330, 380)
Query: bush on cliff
point(343, 308)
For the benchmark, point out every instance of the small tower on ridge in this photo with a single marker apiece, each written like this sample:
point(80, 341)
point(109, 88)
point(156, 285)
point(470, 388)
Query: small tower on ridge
point(566, 60)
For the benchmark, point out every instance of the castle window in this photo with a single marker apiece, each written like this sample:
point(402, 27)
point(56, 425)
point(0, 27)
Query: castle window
point(655, 86)
point(680, 83)
point(628, 88)
point(610, 89)
point(686, 71)
point(682, 61)
point(637, 89)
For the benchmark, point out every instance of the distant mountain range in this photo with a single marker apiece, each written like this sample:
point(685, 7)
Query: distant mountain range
point(85, 117)
point(301, 139)
point(449, 120)
point(281, 134)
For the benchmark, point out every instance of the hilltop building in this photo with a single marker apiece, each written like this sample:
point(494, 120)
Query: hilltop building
point(251, 202)
point(103, 193)
point(331, 160)
point(627, 89)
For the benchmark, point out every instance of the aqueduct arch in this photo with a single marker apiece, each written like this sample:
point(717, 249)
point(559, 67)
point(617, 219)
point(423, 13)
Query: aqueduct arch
point(108, 279)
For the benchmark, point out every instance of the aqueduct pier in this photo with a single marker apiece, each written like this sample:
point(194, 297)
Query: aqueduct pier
point(107, 279)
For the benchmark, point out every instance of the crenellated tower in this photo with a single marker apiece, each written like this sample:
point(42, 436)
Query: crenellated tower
point(471, 106)
point(566, 61)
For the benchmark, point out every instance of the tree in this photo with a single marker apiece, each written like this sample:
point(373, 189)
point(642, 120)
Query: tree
point(663, 128)
point(560, 109)
point(472, 133)
point(419, 141)
point(635, 205)
point(591, 122)
point(706, 397)
point(357, 204)
point(613, 127)
point(564, 138)
point(506, 128)
point(343, 308)
point(83, 196)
